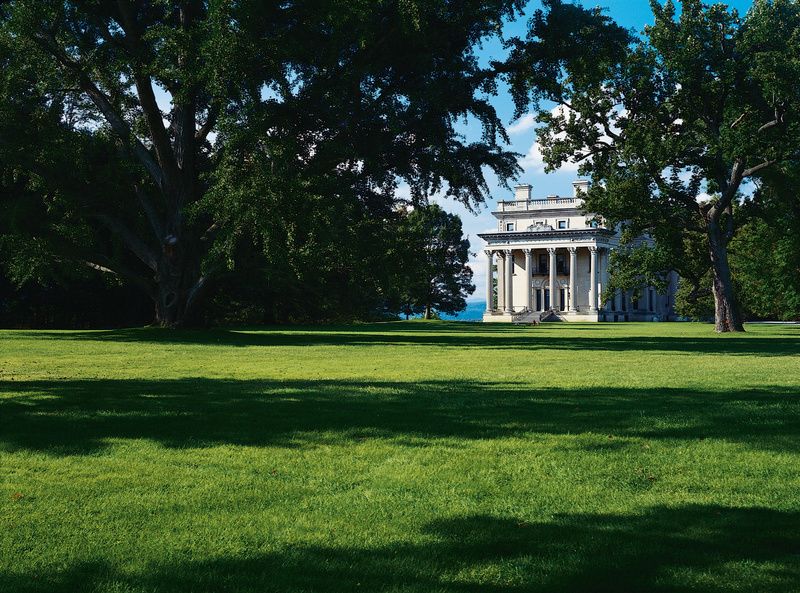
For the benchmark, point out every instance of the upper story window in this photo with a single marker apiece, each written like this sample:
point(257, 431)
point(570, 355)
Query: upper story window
point(563, 224)
point(509, 226)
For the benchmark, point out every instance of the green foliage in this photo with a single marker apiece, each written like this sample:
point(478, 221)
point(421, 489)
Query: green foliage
point(431, 255)
point(694, 300)
point(634, 266)
point(287, 127)
point(765, 254)
point(406, 457)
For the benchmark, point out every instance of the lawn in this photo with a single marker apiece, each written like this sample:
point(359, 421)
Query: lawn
point(417, 457)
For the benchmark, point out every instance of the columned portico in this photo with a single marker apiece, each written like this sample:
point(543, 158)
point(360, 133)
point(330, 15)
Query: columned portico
point(561, 254)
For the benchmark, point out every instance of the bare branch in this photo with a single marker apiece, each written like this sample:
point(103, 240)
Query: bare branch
point(208, 125)
point(738, 120)
point(147, 97)
point(753, 170)
point(132, 242)
point(103, 103)
point(100, 268)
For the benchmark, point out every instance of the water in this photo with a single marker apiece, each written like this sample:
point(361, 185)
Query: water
point(473, 312)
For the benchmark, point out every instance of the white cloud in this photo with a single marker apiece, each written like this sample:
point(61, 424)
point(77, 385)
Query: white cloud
point(533, 162)
point(702, 197)
point(525, 123)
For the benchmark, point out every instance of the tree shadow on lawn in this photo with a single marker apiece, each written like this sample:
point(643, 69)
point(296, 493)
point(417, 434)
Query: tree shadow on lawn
point(76, 417)
point(448, 335)
point(686, 548)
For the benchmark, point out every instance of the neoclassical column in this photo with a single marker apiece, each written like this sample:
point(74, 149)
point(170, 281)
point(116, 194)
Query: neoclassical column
point(528, 278)
point(489, 277)
point(604, 280)
point(501, 280)
point(573, 267)
point(593, 279)
point(552, 252)
point(509, 304)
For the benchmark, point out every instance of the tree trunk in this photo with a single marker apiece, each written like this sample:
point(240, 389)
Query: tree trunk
point(170, 302)
point(427, 311)
point(177, 285)
point(727, 315)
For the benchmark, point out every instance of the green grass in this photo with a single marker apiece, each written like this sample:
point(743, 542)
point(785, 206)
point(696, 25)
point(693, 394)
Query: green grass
point(415, 457)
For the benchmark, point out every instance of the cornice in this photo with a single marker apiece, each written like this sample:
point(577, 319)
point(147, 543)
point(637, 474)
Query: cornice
point(554, 234)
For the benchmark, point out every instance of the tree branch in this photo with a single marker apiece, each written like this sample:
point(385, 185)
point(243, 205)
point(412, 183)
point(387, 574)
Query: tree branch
point(208, 125)
point(738, 120)
point(753, 170)
point(132, 242)
point(779, 119)
point(103, 103)
point(150, 211)
point(147, 98)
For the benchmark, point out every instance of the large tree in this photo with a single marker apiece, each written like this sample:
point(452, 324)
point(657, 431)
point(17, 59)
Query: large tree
point(221, 115)
point(670, 125)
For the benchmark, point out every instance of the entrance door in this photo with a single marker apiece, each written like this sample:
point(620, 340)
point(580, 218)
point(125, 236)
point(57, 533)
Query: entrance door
point(546, 299)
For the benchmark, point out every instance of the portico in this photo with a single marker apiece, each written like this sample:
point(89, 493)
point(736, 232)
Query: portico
point(549, 260)
point(562, 277)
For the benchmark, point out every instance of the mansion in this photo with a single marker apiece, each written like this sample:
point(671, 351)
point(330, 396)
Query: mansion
point(551, 261)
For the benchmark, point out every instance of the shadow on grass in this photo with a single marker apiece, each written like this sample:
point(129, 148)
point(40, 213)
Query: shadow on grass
point(688, 548)
point(451, 335)
point(76, 417)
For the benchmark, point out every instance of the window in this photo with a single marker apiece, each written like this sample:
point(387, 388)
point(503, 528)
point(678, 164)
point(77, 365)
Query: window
point(509, 226)
point(563, 224)
point(652, 300)
point(542, 263)
point(561, 264)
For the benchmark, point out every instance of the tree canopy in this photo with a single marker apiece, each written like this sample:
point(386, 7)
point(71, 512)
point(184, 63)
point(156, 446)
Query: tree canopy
point(218, 125)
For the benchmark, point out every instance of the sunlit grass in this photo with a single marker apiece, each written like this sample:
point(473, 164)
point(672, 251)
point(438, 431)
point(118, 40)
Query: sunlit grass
point(401, 457)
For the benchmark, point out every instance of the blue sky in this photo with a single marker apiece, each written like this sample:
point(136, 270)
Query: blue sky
point(633, 14)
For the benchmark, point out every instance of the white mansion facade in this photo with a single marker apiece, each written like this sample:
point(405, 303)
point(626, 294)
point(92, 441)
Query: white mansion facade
point(552, 263)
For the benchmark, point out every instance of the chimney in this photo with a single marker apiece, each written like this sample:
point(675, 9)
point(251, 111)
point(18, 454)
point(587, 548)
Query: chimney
point(522, 192)
point(579, 185)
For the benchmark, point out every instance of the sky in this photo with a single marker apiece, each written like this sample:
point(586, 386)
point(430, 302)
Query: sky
point(632, 14)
